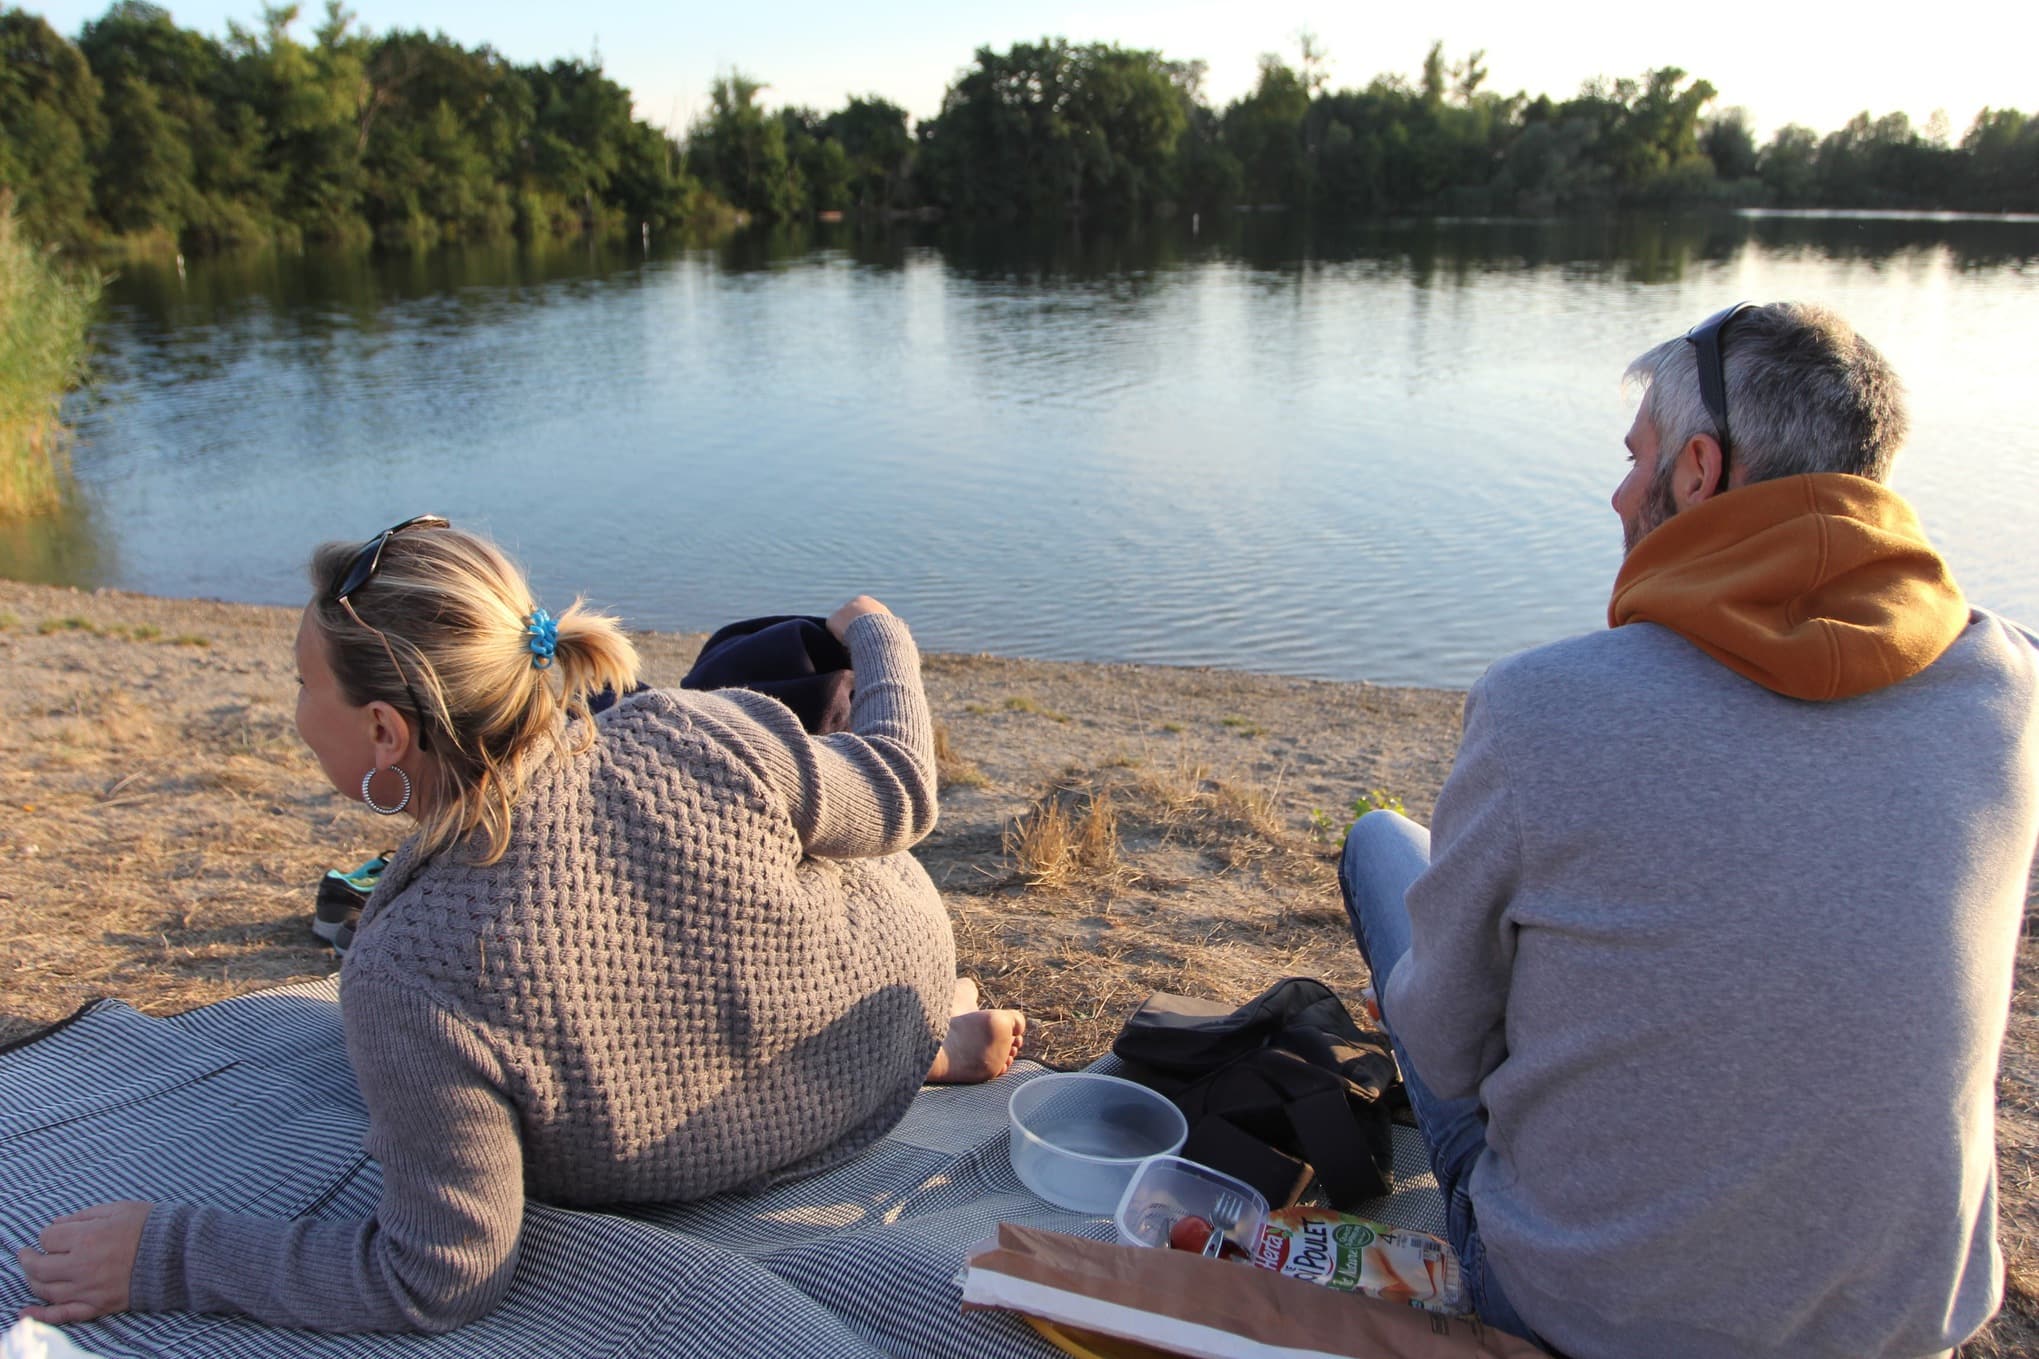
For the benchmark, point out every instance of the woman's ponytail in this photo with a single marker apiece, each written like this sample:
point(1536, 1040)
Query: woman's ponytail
point(590, 653)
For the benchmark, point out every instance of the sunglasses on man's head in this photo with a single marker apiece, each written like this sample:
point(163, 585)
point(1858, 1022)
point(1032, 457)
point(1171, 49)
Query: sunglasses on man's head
point(359, 574)
point(1709, 337)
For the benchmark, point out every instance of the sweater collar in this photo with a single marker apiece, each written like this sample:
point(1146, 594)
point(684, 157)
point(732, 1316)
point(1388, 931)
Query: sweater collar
point(1816, 587)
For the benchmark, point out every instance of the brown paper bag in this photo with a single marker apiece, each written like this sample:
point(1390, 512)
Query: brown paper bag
point(1185, 1304)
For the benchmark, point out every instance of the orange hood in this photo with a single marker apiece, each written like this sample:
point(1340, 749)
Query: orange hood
point(1816, 587)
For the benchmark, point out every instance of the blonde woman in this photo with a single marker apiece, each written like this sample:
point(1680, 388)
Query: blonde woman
point(676, 949)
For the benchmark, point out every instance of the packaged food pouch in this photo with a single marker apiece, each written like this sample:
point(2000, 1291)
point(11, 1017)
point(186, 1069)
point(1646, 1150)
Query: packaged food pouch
point(1339, 1250)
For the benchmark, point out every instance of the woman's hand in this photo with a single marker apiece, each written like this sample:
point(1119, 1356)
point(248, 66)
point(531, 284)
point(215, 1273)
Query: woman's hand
point(840, 620)
point(86, 1259)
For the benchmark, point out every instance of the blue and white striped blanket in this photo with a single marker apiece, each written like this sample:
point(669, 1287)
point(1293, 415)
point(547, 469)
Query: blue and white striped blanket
point(250, 1105)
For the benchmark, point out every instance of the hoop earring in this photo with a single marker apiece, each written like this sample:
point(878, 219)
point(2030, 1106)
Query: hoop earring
point(377, 807)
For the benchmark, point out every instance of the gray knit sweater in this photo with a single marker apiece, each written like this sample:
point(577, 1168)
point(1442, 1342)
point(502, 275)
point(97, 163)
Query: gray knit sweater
point(1730, 973)
point(704, 962)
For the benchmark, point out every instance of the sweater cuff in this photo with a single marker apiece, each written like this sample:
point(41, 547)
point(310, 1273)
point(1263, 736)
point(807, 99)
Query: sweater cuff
point(883, 657)
point(156, 1284)
point(881, 642)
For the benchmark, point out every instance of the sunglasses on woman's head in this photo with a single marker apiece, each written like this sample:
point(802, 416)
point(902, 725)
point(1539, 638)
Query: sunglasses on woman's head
point(359, 574)
point(370, 555)
point(1709, 337)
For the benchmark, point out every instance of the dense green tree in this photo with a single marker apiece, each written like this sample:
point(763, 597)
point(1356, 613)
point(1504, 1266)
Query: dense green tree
point(1264, 131)
point(441, 130)
point(173, 102)
point(1132, 108)
point(1391, 147)
point(819, 161)
point(879, 150)
point(1551, 165)
point(151, 73)
point(144, 178)
point(1051, 128)
point(309, 101)
point(741, 153)
point(1646, 131)
point(1207, 173)
point(651, 186)
point(1789, 165)
point(1729, 142)
point(50, 127)
point(2002, 146)
point(1882, 162)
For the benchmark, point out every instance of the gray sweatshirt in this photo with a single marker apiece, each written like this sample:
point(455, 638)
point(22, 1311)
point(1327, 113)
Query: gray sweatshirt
point(1730, 973)
point(704, 961)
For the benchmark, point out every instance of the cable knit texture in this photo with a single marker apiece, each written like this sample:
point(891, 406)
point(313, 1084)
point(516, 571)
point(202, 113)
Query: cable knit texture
point(704, 963)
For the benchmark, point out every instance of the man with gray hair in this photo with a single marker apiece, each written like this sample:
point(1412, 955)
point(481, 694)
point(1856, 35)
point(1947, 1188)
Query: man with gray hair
point(1699, 980)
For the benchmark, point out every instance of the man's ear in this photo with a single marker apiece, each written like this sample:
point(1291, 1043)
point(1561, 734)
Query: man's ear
point(390, 731)
point(1696, 472)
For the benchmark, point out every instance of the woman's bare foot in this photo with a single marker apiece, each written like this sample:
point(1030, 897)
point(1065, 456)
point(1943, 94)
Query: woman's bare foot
point(981, 1044)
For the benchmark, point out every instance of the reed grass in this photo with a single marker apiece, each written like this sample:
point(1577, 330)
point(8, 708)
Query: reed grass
point(44, 312)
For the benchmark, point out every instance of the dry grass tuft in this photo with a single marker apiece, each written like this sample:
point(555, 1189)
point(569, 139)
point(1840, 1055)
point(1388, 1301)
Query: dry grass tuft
point(1244, 820)
point(952, 769)
point(1068, 836)
point(1174, 790)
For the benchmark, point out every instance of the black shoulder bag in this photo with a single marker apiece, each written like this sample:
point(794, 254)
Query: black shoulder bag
point(1283, 1091)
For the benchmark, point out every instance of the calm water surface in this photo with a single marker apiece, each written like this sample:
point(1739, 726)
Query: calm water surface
point(1380, 453)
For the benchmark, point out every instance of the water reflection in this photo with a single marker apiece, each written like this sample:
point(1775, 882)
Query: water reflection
point(1376, 449)
point(65, 547)
point(1972, 243)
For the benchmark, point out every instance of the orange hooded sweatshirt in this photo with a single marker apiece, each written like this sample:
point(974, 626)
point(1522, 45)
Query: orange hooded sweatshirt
point(1816, 587)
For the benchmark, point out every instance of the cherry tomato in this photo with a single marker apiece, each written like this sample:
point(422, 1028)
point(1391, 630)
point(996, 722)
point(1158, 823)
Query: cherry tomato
point(1190, 1233)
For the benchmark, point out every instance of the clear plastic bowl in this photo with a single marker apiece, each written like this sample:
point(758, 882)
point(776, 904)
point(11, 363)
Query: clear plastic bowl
point(1077, 1137)
point(1167, 1189)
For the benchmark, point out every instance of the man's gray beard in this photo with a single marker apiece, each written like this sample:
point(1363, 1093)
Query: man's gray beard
point(1659, 507)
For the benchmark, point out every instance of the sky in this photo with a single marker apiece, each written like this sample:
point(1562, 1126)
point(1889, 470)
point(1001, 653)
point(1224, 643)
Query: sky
point(1785, 61)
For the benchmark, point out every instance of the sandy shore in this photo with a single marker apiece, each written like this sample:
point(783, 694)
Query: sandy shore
point(1106, 831)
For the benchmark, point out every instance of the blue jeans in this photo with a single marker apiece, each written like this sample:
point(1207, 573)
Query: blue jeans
point(1384, 853)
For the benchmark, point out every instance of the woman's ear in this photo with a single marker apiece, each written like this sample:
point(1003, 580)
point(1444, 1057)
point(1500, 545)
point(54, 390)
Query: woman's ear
point(390, 733)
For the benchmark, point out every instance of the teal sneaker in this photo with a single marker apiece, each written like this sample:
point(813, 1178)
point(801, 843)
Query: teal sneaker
point(340, 898)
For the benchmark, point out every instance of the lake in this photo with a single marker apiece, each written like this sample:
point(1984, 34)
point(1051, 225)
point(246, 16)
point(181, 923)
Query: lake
point(1377, 451)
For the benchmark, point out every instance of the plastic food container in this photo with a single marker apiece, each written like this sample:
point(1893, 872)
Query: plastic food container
point(1078, 1137)
point(1167, 1189)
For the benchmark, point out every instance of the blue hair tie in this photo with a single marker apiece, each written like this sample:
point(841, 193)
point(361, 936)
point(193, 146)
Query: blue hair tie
point(544, 638)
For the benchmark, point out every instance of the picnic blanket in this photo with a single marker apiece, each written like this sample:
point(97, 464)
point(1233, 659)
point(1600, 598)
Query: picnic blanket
point(250, 1105)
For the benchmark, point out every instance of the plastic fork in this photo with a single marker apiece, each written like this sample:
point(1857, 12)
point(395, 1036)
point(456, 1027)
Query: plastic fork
point(1224, 1220)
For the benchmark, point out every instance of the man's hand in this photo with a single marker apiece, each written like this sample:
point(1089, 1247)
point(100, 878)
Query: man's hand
point(840, 620)
point(82, 1270)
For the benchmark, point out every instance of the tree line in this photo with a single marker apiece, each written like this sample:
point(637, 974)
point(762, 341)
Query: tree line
point(140, 128)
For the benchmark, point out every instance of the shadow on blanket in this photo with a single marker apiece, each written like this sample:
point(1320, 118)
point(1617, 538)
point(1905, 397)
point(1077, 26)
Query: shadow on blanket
point(250, 1105)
